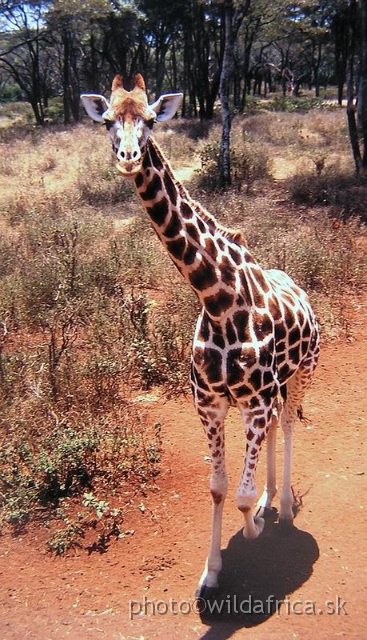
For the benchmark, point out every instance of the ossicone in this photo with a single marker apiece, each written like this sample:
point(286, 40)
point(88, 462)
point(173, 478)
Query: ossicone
point(139, 82)
point(117, 82)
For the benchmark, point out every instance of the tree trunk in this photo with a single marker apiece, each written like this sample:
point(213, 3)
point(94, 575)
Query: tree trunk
point(225, 160)
point(232, 22)
point(66, 76)
point(351, 111)
point(341, 43)
point(174, 66)
point(362, 89)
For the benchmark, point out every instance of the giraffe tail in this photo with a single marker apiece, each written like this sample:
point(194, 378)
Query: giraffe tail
point(301, 416)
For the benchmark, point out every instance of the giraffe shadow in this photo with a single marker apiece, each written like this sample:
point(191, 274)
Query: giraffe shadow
point(256, 577)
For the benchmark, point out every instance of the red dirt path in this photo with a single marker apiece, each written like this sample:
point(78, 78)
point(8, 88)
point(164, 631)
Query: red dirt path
point(322, 559)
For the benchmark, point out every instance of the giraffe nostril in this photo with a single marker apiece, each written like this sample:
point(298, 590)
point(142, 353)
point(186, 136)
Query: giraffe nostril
point(127, 156)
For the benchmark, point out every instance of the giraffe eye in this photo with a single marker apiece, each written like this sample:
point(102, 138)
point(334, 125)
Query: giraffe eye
point(108, 124)
point(150, 123)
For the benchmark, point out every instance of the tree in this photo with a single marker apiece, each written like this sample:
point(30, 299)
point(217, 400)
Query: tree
point(340, 29)
point(351, 83)
point(161, 29)
point(233, 17)
point(69, 23)
point(362, 92)
point(25, 52)
point(116, 44)
point(203, 52)
point(62, 47)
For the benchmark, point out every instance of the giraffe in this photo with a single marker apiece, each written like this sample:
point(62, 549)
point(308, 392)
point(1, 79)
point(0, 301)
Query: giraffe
point(256, 342)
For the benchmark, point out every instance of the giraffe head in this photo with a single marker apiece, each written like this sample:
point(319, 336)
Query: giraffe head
point(129, 119)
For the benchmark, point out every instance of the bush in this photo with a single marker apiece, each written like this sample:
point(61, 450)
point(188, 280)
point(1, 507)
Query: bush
point(48, 459)
point(249, 163)
point(10, 93)
point(331, 186)
point(292, 104)
point(55, 110)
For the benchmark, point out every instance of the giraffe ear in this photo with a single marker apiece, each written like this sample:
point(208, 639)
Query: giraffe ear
point(167, 105)
point(95, 105)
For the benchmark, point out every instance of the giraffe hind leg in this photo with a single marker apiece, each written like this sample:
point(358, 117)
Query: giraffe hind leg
point(295, 392)
point(270, 489)
point(286, 497)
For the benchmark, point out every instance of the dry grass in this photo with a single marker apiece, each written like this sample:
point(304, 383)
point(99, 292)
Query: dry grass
point(301, 139)
point(56, 176)
point(91, 309)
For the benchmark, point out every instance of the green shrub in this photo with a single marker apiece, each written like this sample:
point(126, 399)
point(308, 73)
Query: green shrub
point(55, 110)
point(69, 537)
point(292, 104)
point(43, 465)
point(10, 93)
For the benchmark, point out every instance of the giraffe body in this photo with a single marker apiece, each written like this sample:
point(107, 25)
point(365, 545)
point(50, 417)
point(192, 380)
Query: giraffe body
point(256, 342)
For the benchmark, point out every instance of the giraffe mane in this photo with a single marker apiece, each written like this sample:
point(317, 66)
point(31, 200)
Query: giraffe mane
point(232, 234)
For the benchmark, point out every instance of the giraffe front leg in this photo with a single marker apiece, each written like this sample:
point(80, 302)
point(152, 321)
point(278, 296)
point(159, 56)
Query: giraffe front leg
point(208, 583)
point(256, 425)
point(213, 421)
point(254, 525)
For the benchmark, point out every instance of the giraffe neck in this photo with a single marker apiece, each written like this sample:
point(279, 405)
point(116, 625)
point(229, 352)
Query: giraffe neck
point(214, 260)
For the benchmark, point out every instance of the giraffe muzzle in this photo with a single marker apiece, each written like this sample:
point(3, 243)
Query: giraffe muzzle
point(129, 169)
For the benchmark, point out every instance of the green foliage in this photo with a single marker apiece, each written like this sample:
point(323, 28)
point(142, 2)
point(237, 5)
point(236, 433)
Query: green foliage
point(10, 93)
point(44, 467)
point(64, 464)
point(37, 469)
point(291, 104)
point(91, 528)
point(55, 110)
point(65, 539)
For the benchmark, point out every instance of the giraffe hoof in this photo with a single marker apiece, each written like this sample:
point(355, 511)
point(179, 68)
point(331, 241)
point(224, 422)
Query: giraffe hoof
point(286, 524)
point(252, 530)
point(259, 523)
point(268, 513)
point(203, 594)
